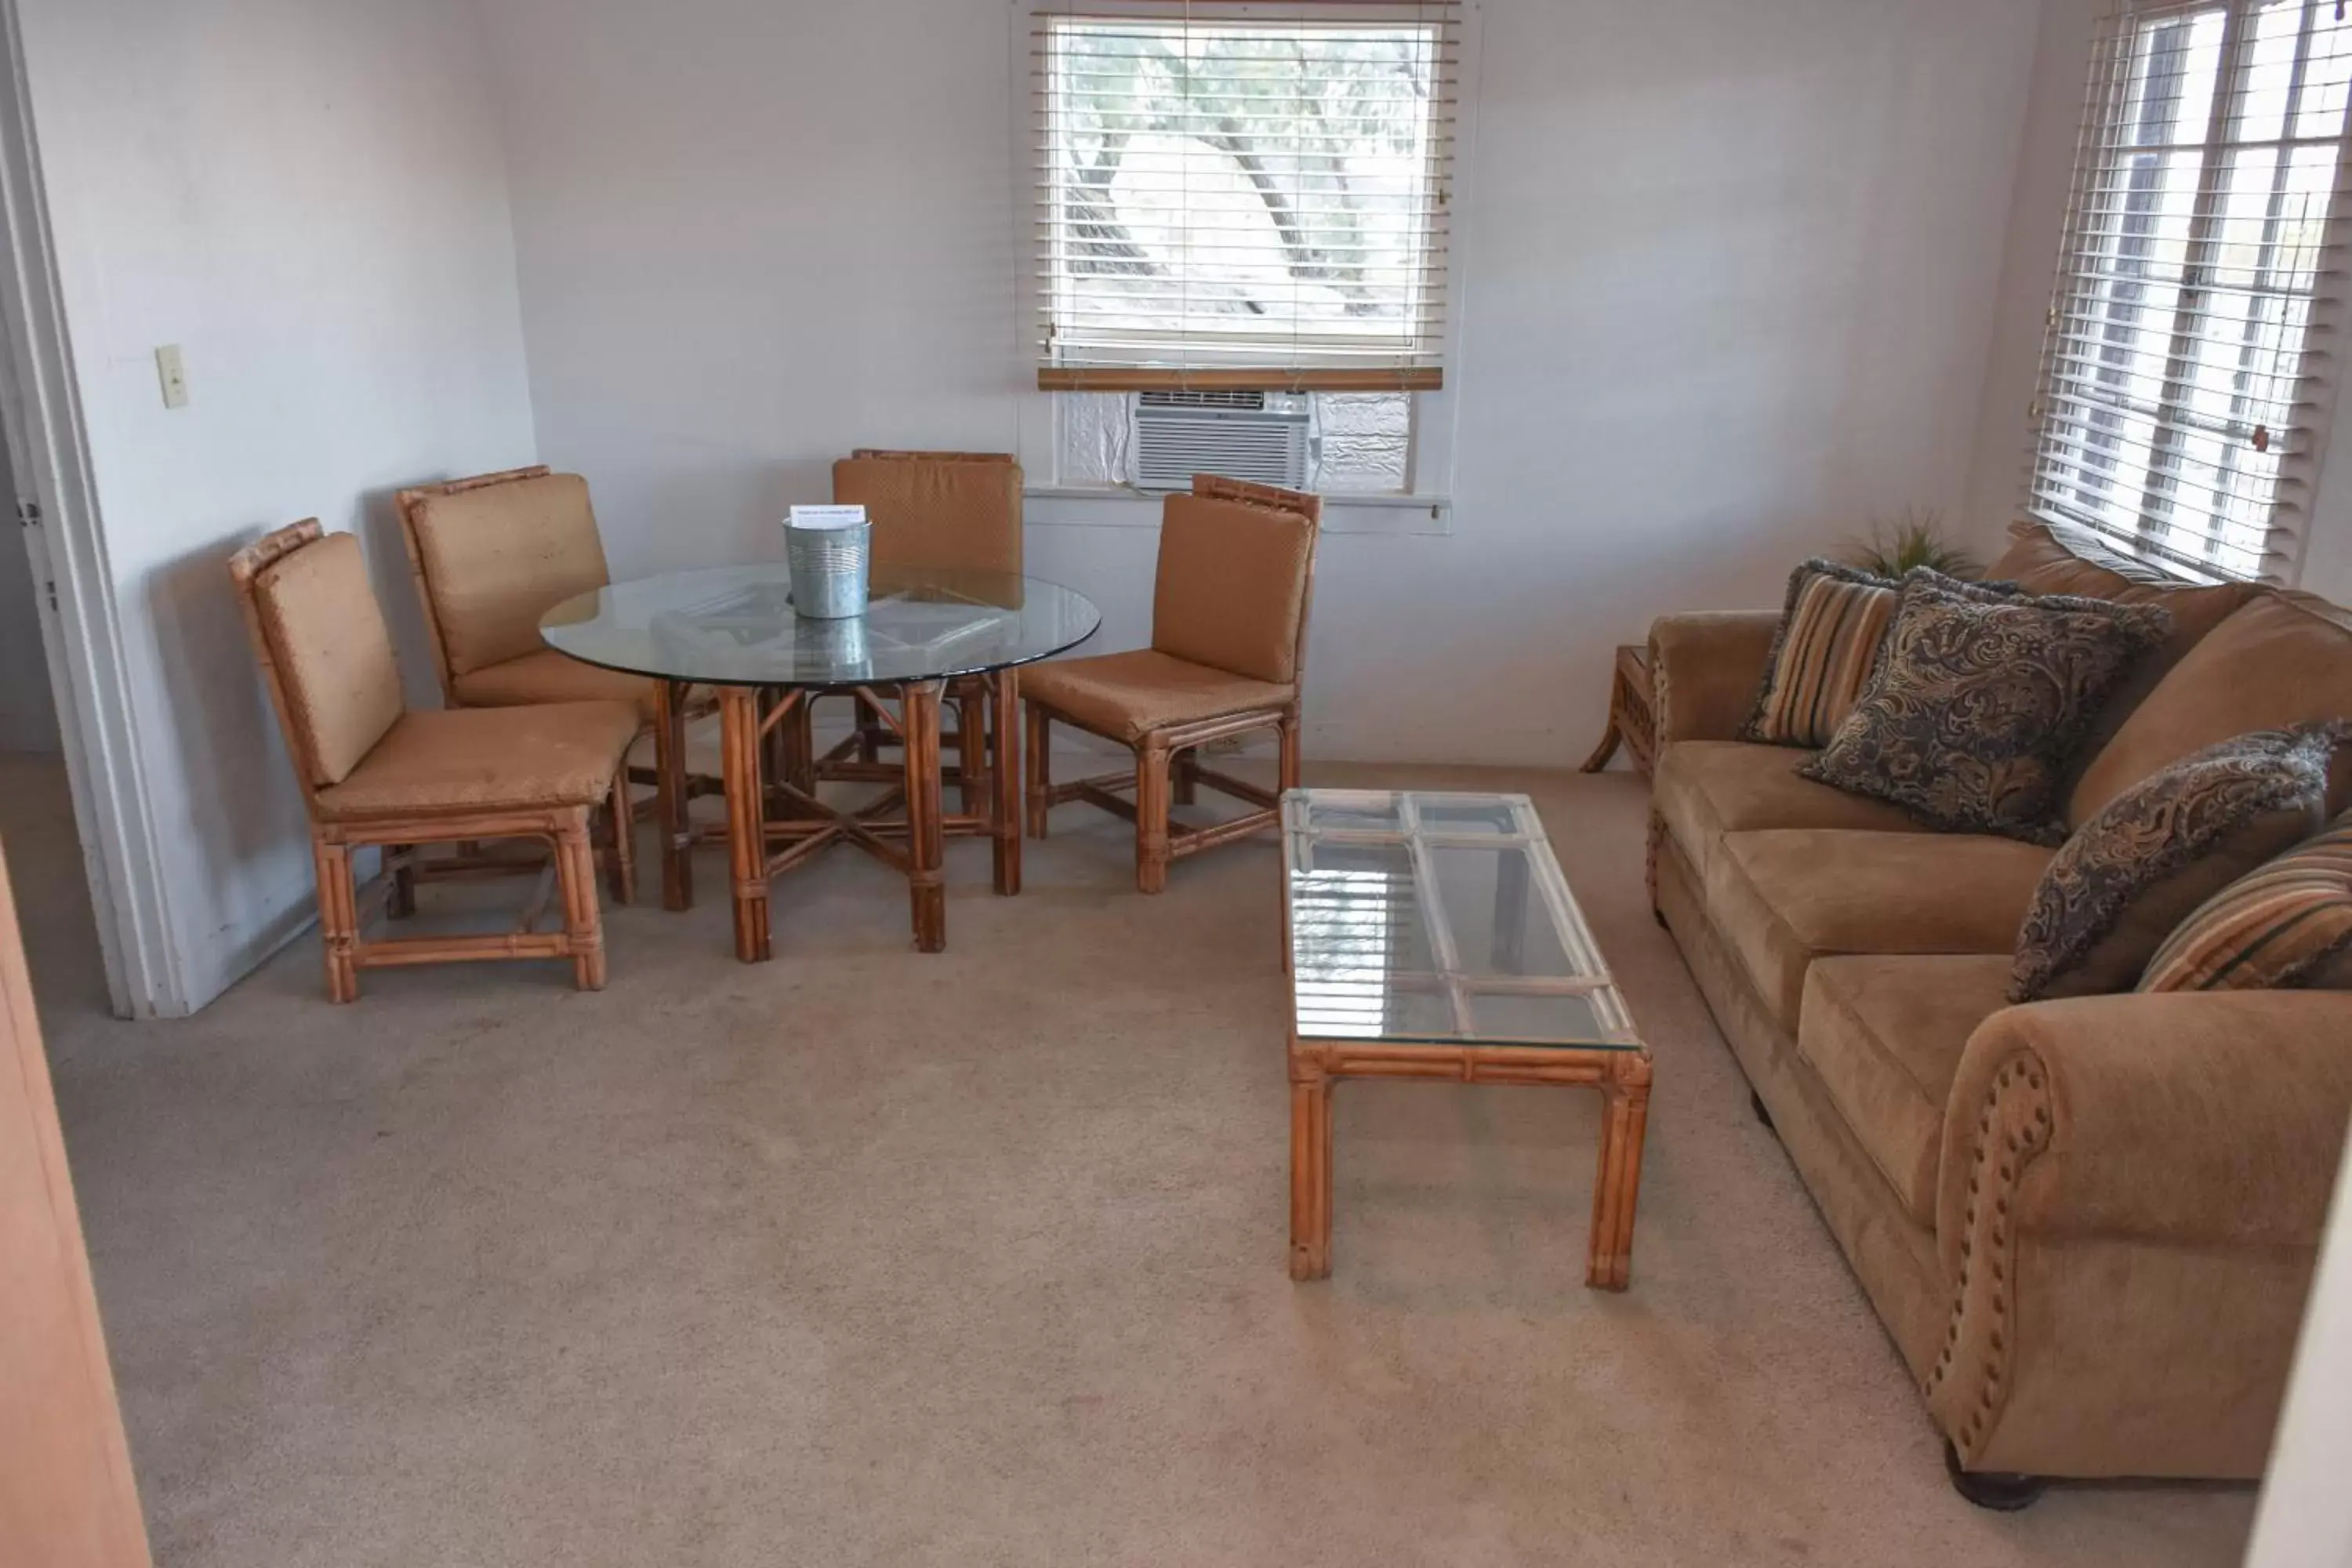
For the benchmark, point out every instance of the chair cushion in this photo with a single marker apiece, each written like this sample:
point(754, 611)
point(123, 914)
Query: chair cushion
point(1885, 1036)
point(1785, 897)
point(547, 676)
point(957, 510)
point(1231, 588)
point(2054, 558)
point(1977, 710)
point(1126, 696)
point(1706, 789)
point(2286, 924)
point(2284, 658)
point(2129, 876)
point(332, 652)
point(498, 558)
point(465, 760)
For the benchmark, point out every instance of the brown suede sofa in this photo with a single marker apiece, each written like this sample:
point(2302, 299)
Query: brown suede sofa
point(2089, 1225)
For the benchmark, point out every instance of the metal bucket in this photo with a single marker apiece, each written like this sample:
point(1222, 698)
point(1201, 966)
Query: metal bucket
point(829, 568)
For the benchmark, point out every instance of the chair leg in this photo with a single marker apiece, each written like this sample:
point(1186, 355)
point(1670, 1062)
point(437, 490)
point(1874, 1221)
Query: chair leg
point(1040, 782)
point(1183, 780)
point(624, 867)
point(868, 719)
point(401, 860)
point(337, 918)
point(972, 752)
point(575, 875)
point(1151, 817)
point(1288, 731)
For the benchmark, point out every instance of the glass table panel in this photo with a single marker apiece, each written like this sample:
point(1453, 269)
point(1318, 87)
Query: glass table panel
point(1439, 918)
point(735, 625)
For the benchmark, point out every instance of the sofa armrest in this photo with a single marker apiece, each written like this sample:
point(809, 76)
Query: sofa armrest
point(2212, 1118)
point(1708, 669)
point(2132, 1195)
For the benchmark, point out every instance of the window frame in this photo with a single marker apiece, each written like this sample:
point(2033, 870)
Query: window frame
point(2107, 101)
point(1426, 507)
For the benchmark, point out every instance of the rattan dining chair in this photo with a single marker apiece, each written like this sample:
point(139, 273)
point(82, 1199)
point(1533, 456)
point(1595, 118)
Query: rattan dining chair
point(1227, 657)
point(377, 774)
point(941, 511)
point(490, 555)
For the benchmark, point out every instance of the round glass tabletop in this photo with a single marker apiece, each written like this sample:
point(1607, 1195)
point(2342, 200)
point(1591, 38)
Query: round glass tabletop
point(735, 625)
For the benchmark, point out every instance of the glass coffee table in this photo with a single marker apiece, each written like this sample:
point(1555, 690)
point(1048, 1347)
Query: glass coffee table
point(1433, 937)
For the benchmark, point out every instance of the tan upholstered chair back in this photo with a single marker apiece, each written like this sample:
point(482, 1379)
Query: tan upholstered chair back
point(494, 554)
point(1237, 570)
point(961, 510)
point(323, 647)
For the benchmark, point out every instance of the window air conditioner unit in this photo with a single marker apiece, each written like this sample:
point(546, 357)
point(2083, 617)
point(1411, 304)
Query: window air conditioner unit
point(1233, 434)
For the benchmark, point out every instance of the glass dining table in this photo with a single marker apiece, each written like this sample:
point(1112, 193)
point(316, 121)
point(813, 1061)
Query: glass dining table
point(925, 638)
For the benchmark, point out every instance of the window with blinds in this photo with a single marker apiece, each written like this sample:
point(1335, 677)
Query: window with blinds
point(1244, 195)
point(2189, 352)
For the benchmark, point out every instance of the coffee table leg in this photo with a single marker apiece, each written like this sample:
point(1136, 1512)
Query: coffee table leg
point(1004, 779)
point(669, 795)
point(925, 838)
point(747, 837)
point(1310, 1171)
point(1625, 1116)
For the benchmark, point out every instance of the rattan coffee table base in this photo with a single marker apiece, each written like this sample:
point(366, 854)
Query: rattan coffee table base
point(1621, 1077)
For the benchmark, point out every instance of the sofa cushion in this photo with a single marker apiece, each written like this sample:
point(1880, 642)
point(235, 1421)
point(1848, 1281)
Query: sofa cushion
point(2286, 924)
point(2152, 855)
point(1785, 897)
point(547, 676)
point(2055, 558)
point(463, 759)
point(2284, 658)
point(1977, 709)
point(1885, 1036)
point(1706, 789)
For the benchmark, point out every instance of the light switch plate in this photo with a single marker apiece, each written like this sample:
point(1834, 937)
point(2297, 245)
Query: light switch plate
point(173, 374)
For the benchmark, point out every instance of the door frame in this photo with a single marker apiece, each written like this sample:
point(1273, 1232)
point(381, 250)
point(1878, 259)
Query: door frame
point(82, 627)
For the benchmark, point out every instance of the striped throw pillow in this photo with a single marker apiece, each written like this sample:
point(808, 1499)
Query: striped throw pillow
point(1821, 657)
point(2286, 924)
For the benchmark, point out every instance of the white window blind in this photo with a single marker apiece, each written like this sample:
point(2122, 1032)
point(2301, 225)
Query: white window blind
point(1244, 195)
point(2191, 342)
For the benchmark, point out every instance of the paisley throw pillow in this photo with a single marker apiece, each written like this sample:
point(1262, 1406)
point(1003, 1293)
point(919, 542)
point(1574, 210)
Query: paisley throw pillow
point(2149, 858)
point(1976, 709)
point(1822, 656)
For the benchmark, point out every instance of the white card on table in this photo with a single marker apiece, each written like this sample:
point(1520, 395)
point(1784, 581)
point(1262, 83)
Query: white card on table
point(827, 516)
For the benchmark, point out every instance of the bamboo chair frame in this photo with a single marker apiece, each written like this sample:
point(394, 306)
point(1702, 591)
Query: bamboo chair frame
point(410, 503)
point(859, 757)
point(1167, 771)
point(569, 870)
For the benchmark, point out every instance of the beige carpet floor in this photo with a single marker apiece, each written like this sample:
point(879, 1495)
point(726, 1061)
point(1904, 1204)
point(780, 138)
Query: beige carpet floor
point(863, 1257)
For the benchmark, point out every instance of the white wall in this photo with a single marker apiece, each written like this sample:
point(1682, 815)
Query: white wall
point(2307, 1513)
point(28, 718)
point(309, 196)
point(1733, 267)
point(2045, 167)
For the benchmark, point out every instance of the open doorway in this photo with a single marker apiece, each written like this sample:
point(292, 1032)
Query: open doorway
point(46, 864)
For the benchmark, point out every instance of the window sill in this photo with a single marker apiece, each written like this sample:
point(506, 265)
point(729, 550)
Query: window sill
point(1078, 506)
